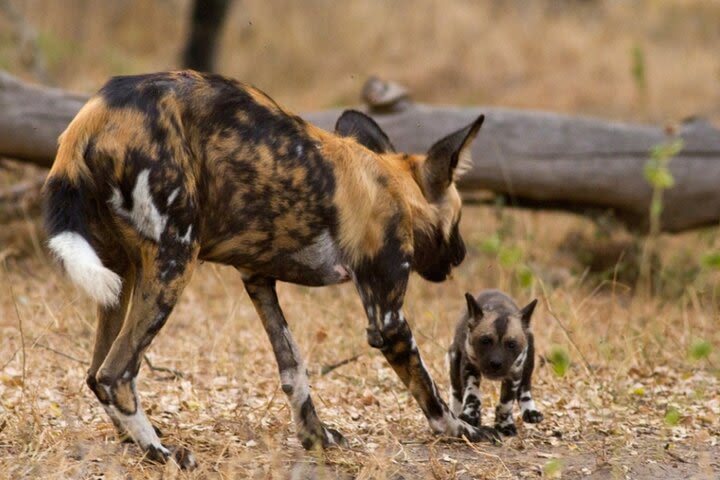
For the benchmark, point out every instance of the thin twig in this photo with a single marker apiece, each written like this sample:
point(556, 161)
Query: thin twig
point(62, 354)
point(585, 362)
point(325, 369)
point(490, 455)
point(171, 371)
point(676, 456)
point(22, 338)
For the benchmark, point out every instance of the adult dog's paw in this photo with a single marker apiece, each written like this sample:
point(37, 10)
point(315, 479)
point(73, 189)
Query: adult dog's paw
point(483, 434)
point(322, 437)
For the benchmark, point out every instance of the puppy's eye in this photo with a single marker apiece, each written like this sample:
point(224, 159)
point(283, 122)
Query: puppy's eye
point(486, 341)
point(511, 344)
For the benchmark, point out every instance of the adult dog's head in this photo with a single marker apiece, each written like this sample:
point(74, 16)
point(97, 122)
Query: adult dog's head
point(435, 203)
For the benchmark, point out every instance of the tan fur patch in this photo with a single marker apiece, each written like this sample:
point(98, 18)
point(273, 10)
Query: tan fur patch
point(73, 141)
point(124, 397)
point(486, 327)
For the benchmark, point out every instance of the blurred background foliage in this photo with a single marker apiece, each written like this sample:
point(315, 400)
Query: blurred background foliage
point(647, 60)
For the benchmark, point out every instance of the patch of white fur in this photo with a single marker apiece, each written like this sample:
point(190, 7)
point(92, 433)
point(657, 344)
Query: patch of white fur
point(465, 163)
point(136, 425)
point(173, 195)
point(144, 215)
point(519, 361)
point(449, 424)
point(187, 238)
point(323, 255)
point(298, 380)
point(455, 404)
point(505, 408)
point(506, 421)
point(84, 267)
point(527, 405)
point(472, 388)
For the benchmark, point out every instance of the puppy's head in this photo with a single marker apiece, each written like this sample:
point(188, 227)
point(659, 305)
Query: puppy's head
point(497, 338)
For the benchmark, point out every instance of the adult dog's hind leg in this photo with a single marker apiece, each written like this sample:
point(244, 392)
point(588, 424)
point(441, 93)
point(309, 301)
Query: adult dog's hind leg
point(162, 275)
point(109, 322)
point(293, 375)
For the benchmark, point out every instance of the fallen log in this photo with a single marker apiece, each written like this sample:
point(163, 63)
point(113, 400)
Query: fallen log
point(31, 119)
point(535, 159)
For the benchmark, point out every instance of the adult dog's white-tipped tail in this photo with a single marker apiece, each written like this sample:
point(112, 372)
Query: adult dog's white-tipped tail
point(84, 267)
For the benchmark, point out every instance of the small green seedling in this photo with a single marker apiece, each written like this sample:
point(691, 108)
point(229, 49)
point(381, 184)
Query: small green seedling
point(700, 349)
point(672, 416)
point(560, 360)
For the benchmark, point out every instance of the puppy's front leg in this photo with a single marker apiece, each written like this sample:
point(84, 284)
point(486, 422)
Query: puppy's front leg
point(504, 421)
point(530, 413)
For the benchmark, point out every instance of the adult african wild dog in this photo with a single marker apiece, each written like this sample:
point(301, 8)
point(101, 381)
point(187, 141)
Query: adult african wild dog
point(493, 339)
point(158, 171)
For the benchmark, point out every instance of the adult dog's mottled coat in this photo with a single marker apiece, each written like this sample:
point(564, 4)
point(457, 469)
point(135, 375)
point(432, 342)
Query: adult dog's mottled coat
point(161, 170)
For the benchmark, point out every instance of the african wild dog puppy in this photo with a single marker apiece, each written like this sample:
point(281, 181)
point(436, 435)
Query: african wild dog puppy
point(159, 171)
point(493, 339)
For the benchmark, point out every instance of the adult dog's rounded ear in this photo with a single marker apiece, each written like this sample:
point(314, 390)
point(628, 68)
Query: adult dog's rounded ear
point(448, 159)
point(353, 123)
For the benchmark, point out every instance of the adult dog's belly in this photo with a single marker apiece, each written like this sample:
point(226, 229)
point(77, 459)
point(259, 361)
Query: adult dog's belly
point(316, 264)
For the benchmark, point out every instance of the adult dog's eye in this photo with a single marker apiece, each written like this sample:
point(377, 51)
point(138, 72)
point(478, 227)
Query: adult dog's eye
point(511, 344)
point(486, 341)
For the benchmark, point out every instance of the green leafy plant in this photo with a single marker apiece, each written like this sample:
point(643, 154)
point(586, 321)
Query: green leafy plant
point(657, 174)
point(553, 468)
point(711, 261)
point(638, 69)
point(672, 416)
point(700, 349)
point(559, 359)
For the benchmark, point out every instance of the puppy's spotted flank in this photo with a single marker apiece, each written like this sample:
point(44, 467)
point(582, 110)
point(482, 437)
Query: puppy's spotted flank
point(493, 339)
point(159, 171)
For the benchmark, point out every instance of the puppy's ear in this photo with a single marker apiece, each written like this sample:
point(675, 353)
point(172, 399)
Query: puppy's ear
point(447, 159)
point(364, 129)
point(475, 312)
point(527, 312)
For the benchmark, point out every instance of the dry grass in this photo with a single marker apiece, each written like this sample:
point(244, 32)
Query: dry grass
point(564, 55)
point(629, 354)
point(603, 415)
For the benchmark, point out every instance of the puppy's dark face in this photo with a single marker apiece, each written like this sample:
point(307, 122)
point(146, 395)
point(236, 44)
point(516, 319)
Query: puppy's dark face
point(497, 340)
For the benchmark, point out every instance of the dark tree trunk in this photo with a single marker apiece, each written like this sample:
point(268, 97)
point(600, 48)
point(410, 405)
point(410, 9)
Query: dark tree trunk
point(205, 27)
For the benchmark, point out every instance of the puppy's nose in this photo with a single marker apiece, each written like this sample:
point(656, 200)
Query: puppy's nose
point(495, 365)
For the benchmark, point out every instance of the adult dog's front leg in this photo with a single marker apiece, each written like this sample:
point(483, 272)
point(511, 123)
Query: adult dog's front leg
point(293, 375)
point(382, 294)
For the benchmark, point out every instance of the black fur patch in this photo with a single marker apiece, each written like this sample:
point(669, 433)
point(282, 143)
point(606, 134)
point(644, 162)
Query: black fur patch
point(65, 207)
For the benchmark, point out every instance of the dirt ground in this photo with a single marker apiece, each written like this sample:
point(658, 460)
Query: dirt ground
point(606, 417)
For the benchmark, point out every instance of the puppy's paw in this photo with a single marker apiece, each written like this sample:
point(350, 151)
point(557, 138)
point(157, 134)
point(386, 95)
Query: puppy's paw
point(508, 430)
point(532, 416)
